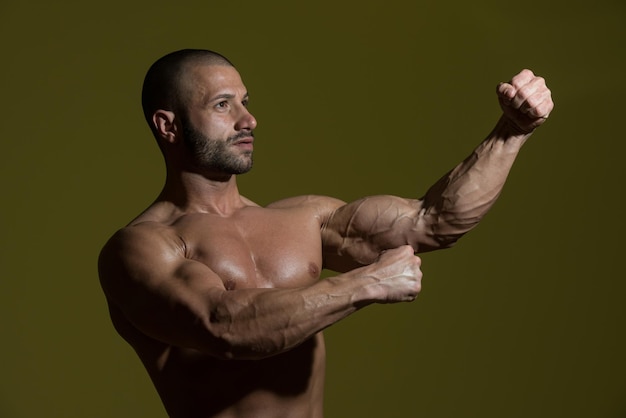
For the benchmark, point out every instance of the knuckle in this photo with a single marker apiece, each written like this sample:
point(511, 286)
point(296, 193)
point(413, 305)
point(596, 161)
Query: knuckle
point(418, 288)
point(524, 92)
point(524, 77)
point(533, 101)
point(541, 110)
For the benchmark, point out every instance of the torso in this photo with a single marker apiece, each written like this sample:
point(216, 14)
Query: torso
point(254, 248)
point(257, 247)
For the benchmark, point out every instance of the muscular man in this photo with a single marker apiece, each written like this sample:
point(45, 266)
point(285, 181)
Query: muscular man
point(221, 298)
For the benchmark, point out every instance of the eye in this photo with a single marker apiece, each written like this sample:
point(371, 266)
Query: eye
point(222, 105)
point(245, 103)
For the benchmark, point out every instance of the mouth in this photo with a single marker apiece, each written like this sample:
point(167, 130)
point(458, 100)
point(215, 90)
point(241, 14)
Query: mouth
point(246, 143)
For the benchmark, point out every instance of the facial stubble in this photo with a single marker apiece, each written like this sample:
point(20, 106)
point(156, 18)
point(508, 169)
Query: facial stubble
point(217, 155)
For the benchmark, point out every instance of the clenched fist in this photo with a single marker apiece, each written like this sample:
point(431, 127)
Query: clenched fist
point(526, 101)
point(396, 275)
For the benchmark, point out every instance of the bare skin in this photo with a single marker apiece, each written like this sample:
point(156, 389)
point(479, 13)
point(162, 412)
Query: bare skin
point(221, 298)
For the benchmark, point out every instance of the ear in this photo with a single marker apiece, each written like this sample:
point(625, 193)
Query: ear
point(165, 126)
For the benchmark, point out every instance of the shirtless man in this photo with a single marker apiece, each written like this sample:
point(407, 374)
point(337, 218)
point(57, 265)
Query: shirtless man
point(221, 298)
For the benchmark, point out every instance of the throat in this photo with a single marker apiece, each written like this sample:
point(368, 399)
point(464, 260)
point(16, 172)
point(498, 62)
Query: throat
point(196, 193)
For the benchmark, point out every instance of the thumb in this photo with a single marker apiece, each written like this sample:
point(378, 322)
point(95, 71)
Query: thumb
point(506, 91)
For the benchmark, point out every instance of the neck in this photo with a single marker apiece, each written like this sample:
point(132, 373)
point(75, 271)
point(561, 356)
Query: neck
point(196, 192)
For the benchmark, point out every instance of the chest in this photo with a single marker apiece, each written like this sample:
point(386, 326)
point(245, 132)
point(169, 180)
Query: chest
point(257, 248)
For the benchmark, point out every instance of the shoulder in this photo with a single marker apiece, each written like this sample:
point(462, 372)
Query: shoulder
point(138, 248)
point(321, 207)
point(151, 229)
point(139, 235)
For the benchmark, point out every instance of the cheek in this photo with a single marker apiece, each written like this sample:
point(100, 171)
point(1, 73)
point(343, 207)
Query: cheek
point(215, 128)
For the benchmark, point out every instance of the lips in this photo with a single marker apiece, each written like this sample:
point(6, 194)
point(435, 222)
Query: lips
point(245, 143)
point(242, 137)
point(247, 140)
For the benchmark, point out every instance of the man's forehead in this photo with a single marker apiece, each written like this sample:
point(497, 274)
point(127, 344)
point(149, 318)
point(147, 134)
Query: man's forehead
point(213, 76)
point(203, 82)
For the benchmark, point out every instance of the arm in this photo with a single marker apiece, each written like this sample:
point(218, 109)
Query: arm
point(356, 233)
point(182, 302)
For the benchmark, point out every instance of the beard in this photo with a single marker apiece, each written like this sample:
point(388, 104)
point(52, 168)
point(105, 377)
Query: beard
point(215, 154)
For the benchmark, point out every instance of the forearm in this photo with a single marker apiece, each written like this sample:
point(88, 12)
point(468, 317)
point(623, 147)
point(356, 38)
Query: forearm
point(460, 199)
point(258, 323)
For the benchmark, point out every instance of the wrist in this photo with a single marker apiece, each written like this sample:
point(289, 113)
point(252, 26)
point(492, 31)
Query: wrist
point(510, 134)
point(362, 288)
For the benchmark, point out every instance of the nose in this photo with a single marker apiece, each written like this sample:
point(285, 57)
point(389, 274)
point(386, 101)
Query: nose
point(245, 121)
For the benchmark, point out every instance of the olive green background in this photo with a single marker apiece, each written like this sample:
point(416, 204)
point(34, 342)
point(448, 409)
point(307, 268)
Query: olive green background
point(525, 317)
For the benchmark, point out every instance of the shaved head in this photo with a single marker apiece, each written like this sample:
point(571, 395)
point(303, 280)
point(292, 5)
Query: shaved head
point(163, 86)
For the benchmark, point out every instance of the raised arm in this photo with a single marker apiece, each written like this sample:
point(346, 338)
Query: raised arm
point(355, 234)
point(182, 302)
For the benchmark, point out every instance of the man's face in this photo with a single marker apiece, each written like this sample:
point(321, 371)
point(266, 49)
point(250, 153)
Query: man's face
point(217, 126)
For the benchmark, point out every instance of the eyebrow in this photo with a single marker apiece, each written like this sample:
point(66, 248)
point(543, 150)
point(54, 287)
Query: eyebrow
point(226, 96)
